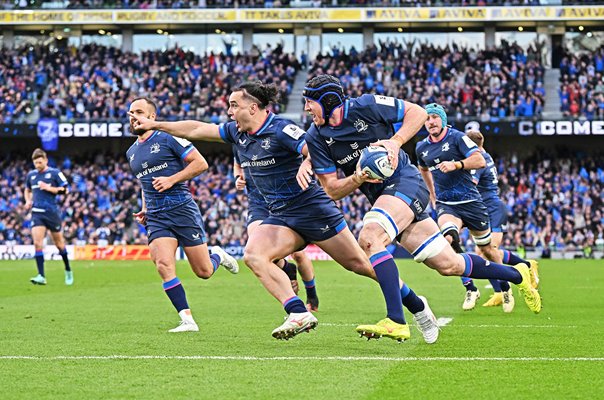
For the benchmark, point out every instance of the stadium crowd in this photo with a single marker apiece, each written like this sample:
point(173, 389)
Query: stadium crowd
point(506, 81)
point(95, 82)
point(177, 4)
point(582, 84)
point(554, 202)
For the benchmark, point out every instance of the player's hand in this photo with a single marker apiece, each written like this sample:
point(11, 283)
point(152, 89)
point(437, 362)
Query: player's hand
point(141, 216)
point(240, 182)
point(141, 123)
point(44, 186)
point(447, 166)
point(361, 177)
point(393, 149)
point(28, 205)
point(305, 173)
point(162, 183)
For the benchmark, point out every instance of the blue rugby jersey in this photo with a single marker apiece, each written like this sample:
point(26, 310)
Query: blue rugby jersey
point(366, 119)
point(271, 157)
point(43, 200)
point(455, 187)
point(486, 179)
point(254, 197)
point(160, 155)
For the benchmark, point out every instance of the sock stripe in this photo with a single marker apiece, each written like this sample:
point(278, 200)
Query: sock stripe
point(506, 256)
point(170, 284)
point(380, 257)
point(405, 290)
point(293, 298)
point(39, 253)
point(309, 284)
point(469, 265)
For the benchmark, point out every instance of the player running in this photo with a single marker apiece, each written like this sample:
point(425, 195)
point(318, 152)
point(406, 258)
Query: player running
point(42, 185)
point(445, 159)
point(271, 149)
point(486, 181)
point(341, 129)
point(162, 164)
point(257, 212)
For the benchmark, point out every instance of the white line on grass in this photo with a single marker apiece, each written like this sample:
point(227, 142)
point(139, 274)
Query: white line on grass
point(294, 358)
point(445, 321)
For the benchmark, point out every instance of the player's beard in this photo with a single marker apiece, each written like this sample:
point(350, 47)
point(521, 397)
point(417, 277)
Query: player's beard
point(134, 131)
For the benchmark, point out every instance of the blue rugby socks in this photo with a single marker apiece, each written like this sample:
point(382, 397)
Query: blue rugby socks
point(387, 274)
point(40, 262)
point(510, 258)
point(410, 300)
point(176, 293)
point(478, 267)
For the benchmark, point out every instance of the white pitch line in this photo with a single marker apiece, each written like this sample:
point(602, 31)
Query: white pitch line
point(445, 321)
point(294, 358)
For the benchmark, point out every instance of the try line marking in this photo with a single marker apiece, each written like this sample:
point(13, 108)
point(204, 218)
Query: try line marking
point(294, 358)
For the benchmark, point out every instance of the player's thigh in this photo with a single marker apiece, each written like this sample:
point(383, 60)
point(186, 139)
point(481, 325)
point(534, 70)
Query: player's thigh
point(199, 260)
point(38, 233)
point(252, 226)
point(387, 218)
point(424, 241)
point(445, 219)
point(345, 250)
point(271, 242)
point(162, 251)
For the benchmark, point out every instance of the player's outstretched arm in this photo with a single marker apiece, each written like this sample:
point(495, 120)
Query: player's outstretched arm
point(196, 165)
point(188, 129)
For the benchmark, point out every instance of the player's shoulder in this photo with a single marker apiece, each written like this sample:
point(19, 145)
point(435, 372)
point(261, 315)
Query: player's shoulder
point(32, 172)
point(455, 133)
point(422, 143)
point(288, 127)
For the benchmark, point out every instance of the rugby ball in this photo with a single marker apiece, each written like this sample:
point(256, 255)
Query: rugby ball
point(374, 161)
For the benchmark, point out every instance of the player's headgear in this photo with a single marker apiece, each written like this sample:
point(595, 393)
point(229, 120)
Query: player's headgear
point(327, 91)
point(437, 109)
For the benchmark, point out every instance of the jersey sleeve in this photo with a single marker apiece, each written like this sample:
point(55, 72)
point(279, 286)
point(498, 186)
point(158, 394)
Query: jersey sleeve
point(320, 158)
point(179, 146)
point(292, 137)
point(388, 109)
point(465, 145)
point(420, 160)
point(477, 174)
point(60, 179)
point(228, 132)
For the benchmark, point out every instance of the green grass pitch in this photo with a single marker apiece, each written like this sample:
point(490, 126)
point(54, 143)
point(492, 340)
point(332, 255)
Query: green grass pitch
point(90, 341)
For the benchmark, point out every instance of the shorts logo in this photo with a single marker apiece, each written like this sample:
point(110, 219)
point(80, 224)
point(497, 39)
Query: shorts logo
point(154, 148)
point(266, 143)
point(418, 206)
point(483, 223)
point(325, 229)
point(445, 147)
point(329, 141)
point(242, 142)
point(195, 236)
point(360, 125)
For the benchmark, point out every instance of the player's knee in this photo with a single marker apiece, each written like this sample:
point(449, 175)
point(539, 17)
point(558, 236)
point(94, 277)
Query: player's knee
point(254, 259)
point(298, 257)
point(369, 237)
point(164, 265)
point(203, 272)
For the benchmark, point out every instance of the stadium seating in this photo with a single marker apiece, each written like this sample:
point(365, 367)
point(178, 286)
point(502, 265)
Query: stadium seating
point(96, 82)
point(552, 202)
point(506, 81)
point(582, 84)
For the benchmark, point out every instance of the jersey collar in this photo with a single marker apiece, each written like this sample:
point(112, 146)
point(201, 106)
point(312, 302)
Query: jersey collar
point(150, 136)
point(265, 124)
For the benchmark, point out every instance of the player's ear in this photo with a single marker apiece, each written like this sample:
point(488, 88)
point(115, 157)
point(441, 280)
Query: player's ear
point(153, 116)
